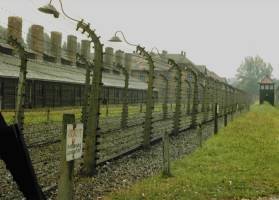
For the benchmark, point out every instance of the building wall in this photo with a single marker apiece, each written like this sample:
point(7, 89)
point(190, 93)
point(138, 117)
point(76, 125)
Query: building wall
point(55, 94)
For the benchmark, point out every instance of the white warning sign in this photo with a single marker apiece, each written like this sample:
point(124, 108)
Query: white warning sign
point(74, 142)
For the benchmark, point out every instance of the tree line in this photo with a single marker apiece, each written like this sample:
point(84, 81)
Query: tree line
point(250, 72)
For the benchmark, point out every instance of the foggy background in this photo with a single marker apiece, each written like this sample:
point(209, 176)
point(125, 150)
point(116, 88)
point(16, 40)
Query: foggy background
point(215, 33)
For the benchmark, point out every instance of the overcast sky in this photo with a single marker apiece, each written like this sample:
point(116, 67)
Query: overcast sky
point(215, 33)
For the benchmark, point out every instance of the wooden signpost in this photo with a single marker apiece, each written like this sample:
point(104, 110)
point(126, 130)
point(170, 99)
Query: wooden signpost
point(71, 146)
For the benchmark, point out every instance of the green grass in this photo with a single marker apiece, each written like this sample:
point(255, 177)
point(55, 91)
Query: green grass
point(36, 116)
point(242, 161)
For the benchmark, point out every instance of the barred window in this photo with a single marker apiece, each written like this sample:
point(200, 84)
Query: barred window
point(189, 76)
point(142, 76)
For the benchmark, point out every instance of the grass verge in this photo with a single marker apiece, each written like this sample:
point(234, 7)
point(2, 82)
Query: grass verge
point(41, 115)
point(37, 116)
point(242, 161)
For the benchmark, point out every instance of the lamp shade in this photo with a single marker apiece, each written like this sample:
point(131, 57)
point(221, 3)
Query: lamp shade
point(49, 9)
point(115, 39)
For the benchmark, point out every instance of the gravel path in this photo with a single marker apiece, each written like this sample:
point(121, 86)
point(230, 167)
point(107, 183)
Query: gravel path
point(126, 171)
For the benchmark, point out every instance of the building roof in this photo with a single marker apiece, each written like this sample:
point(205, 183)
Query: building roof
point(160, 62)
point(139, 63)
point(201, 68)
point(266, 80)
point(180, 58)
point(47, 71)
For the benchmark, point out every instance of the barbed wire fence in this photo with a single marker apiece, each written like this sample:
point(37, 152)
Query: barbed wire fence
point(182, 98)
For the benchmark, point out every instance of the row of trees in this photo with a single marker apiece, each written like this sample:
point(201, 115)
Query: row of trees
point(250, 73)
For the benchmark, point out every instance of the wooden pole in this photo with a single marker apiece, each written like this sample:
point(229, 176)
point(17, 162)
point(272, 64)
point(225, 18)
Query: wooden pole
point(141, 108)
point(48, 113)
point(107, 108)
point(65, 182)
point(199, 132)
point(225, 119)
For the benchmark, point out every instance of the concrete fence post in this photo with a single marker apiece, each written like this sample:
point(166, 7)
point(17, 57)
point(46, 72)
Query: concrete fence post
point(92, 131)
point(165, 101)
point(207, 96)
point(149, 97)
point(124, 114)
point(226, 105)
point(21, 87)
point(223, 101)
point(216, 108)
point(199, 134)
point(123, 63)
point(188, 97)
point(48, 115)
point(195, 101)
point(89, 66)
point(166, 155)
point(177, 114)
point(204, 101)
point(233, 106)
point(107, 108)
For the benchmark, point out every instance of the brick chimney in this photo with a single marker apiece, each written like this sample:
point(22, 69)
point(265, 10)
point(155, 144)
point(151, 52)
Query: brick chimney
point(164, 54)
point(119, 57)
point(15, 27)
point(56, 42)
point(128, 61)
point(72, 48)
point(37, 40)
point(108, 57)
point(85, 48)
